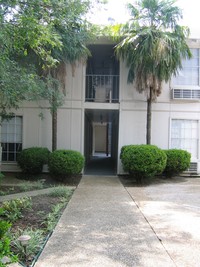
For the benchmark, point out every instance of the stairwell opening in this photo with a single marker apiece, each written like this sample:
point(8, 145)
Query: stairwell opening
point(101, 141)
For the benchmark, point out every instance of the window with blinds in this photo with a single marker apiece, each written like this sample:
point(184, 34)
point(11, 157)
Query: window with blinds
point(184, 135)
point(11, 138)
point(190, 72)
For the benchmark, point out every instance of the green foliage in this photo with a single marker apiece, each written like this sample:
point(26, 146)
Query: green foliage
point(27, 185)
point(28, 86)
point(37, 39)
point(12, 209)
point(8, 191)
point(153, 45)
point(4, 227)
point(1, 176)
point(31, 160)
point(143, 161)
point(61, 191)
point(177, 161)
point(52, 218)
point(5, 242)
point(36, 36)
point(65, 162)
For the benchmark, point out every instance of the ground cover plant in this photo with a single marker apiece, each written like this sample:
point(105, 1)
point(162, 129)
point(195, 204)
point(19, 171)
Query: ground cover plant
point(12, 183)
point(22, 187)
point(34, 216)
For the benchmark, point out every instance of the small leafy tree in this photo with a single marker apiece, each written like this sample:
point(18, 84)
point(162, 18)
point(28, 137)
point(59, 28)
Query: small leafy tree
point(153, 45)
point(20, 81)
point(38, 39)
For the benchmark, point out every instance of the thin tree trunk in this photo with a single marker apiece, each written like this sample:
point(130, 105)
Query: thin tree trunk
point(54, 130)
point(149, 107)
point(54, 114)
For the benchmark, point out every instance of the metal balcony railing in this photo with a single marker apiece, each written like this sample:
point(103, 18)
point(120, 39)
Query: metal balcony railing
point(102, 88)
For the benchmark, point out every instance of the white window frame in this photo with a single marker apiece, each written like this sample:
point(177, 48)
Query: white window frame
point(198, 131)
point(15, 142)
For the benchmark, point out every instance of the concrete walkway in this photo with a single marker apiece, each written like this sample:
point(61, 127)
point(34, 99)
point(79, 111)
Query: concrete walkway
point(172, 208)
point(103, 227)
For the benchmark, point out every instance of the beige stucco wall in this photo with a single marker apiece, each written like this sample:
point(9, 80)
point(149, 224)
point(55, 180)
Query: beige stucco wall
point(37, 131)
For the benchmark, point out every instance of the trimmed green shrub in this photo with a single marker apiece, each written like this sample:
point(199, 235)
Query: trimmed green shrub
point(143, 161)
point(178, 160)
point(65, 163)
point(31, 160)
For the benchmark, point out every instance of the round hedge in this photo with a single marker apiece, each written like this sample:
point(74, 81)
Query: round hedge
point(65, 162)
point(178, 160)
point(143, 161)
point(31, 160)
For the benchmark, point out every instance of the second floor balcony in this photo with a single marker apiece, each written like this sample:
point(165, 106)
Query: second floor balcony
point(102, 88)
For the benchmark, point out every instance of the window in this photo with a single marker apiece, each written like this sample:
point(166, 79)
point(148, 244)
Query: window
point(184, 135)
point(11, 138)
point(190, 73)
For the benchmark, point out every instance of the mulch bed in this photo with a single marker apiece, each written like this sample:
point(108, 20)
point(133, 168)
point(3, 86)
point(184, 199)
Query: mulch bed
point(34, 217)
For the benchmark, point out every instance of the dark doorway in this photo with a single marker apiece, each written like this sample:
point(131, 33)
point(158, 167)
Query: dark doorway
point(101, 141)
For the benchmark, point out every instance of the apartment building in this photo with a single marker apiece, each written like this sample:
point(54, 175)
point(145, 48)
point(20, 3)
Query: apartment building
point(101, 113)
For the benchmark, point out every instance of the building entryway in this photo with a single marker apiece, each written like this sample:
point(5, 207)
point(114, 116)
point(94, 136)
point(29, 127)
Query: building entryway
point(101, 141)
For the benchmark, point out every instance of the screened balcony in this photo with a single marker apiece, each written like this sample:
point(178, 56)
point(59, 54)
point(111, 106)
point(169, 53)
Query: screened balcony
point(102, 75)
point(102, 88)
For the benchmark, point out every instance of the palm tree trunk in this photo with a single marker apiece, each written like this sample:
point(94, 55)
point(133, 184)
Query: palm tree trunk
point(148, 126)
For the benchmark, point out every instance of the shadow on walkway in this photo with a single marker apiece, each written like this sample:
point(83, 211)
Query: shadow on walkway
point(100, 165)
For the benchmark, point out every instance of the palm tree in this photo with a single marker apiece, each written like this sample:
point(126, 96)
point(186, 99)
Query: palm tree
point(153, 45)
